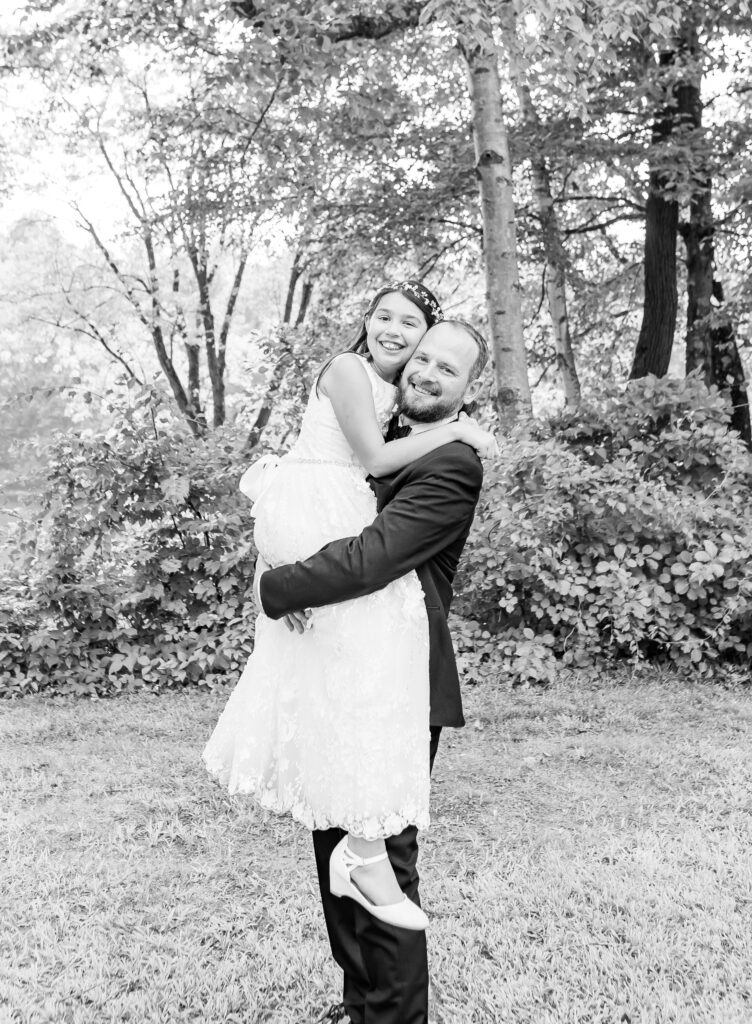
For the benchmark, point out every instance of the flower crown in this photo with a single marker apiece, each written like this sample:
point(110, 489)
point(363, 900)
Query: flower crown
point(423, 296)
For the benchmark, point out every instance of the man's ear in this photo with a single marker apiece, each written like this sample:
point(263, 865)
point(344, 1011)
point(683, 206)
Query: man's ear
point(471, 391)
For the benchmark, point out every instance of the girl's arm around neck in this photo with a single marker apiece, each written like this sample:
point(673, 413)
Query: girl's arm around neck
point(348, 387)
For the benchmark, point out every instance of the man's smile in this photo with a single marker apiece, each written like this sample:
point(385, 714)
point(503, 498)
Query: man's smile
point(423, 388)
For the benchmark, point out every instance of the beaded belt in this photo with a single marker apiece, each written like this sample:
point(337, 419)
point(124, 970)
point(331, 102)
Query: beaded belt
point(323, 462)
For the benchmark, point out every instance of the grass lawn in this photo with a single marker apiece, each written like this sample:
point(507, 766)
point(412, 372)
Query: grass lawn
point(590, 860)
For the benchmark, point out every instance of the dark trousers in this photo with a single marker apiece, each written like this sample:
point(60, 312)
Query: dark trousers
point(386, 968)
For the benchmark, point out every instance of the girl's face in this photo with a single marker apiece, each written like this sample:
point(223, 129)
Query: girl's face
point(393, 331)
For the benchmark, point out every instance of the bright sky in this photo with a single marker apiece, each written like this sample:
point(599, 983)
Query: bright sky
point(12, 14)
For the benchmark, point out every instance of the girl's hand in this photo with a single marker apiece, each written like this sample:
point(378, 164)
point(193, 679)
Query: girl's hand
point(481, 440)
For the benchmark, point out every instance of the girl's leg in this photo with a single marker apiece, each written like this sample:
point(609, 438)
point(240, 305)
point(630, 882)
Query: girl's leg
point(377, 882)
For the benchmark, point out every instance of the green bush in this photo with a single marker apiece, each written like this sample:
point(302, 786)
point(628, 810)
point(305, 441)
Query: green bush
point(140, 571)
point(620, 531)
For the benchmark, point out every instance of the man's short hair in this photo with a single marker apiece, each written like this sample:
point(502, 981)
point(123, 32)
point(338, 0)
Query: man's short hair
point(483, 352)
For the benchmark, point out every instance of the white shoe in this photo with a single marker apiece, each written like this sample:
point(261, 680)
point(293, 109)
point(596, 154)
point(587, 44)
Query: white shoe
point(404, 914)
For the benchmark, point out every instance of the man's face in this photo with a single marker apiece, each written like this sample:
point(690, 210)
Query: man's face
point(435, 383)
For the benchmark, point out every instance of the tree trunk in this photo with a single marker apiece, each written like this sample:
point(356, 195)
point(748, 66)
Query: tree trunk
point(552, 244)
point(728, 371)
point(653, 353)
point(711, 335)
point(194, 385)
point(295, 273)
point(305, 299)
point(194, 412)
point(194, 379)
point(698, 233)
point(698, 238)
point(216, 375)
point(494, 172)
point(232, 299)
point(212, 361)
point(267, 406)
point(173, 380)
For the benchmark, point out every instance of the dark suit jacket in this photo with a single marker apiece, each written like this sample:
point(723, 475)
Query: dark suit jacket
point(425, 513)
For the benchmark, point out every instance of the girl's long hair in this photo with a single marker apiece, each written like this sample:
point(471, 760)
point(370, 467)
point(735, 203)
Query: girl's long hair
point(413, 291)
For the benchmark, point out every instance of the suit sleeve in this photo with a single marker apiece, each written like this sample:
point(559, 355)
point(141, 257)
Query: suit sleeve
point(433, 508)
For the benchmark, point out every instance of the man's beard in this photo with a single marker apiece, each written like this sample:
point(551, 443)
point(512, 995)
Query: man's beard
point(440, 410)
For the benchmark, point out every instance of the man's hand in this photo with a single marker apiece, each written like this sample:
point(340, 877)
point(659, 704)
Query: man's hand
point(298, 622)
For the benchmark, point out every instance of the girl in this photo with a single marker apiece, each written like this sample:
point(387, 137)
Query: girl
point(331, 726)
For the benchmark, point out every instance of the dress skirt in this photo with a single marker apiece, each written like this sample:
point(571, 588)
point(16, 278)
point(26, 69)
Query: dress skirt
point(331, 726)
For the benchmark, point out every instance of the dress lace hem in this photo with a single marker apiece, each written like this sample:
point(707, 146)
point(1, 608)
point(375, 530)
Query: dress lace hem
point(291, 804)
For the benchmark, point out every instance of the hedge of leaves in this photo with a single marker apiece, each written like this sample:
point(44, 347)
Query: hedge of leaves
point(622, 532)
point(140, 571)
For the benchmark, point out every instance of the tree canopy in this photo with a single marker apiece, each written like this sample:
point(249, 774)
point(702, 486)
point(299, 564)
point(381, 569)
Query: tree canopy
point(564, 174)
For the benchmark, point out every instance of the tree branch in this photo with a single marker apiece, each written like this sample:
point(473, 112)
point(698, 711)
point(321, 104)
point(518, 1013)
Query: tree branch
point(395, 17)
point(93, 332)
point(230, 308)
point(260, 121)
point(546, 367)
point(110, 260)
point(601, 225)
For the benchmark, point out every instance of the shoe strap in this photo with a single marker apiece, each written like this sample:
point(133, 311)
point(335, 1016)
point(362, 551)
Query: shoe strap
point(354, 861)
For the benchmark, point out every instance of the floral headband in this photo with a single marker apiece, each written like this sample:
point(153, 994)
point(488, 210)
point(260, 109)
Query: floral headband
point(423, 296)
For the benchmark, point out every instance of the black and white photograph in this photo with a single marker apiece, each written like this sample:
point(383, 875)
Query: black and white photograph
point(375, 512)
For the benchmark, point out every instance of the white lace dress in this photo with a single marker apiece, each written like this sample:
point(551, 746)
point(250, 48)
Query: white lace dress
point(331, 726)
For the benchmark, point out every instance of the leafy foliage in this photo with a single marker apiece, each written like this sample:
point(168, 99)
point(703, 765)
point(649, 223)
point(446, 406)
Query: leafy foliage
point(140, 572)
point(622, 533)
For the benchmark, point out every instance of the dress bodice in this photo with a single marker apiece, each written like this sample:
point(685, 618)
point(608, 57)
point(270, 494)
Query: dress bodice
point(321, 436)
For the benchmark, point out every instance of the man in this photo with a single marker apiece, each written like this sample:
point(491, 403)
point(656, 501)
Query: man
point(425, 514)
